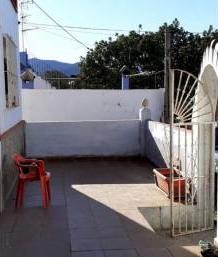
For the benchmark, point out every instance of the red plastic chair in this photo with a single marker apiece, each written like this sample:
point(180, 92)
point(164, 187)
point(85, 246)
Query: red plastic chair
point(32, 170)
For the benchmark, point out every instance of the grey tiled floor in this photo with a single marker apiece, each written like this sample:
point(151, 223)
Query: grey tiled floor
point(95, 212)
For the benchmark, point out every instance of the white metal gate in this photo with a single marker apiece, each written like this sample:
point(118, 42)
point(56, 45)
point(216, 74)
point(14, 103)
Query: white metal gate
point(192, 139)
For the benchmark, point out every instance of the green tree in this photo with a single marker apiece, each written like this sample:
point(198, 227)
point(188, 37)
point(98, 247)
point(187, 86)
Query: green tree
point(57, 79)
point(101, 66)
point(187, 48)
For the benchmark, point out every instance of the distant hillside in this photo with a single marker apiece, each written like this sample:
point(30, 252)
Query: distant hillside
point(41, 66)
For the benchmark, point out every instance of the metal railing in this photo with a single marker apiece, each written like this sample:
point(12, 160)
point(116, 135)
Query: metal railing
point(192, 145)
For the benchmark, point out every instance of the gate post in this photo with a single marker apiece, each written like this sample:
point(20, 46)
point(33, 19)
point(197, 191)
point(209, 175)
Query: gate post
point(1, 183)
point(216, 171)
point(216, 238)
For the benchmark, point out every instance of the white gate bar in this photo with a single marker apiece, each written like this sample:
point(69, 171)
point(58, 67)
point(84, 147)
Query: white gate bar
point(188, 114)
point(205, 184)
point(171, 86)
point(183, 92)
point(199, 179)
point(198, 116)
point(193, 102)
point(184, 101)
point(179, 159)
point(186, 217)
point(193, 123)
point(189, 93)
point(192, 180)
point(178, 89)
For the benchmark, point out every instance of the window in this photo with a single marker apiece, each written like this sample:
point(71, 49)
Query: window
point(10, 72)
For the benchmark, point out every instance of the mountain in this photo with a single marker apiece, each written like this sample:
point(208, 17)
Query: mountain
point(41, 66)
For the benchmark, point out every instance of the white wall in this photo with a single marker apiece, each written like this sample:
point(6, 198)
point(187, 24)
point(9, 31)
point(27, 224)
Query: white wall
point(157, 141)
point(82, 138)
point(8, 25)
point(40, 83)
point(191, 147)
point(85, 122)
point(77, 105)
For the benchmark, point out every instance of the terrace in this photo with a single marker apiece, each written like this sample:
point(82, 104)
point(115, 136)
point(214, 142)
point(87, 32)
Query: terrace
point(98, 209)
point(101, 153)
point(99, 148)
point(106, 206)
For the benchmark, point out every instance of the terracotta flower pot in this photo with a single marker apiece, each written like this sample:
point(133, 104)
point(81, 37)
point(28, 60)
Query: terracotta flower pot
point(162, 180)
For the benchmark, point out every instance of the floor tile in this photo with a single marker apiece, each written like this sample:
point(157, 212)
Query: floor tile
point(110, 232)
point(95, 212)
point(85, 233)
point(5, 240)
point(88, 254)
point(116, 243)
point(121, 253)
point(155, 252)
point(85, 245)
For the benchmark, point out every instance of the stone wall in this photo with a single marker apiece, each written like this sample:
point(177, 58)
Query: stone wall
point(11, 142)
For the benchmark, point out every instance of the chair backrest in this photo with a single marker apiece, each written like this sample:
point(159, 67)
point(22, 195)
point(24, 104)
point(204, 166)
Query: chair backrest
point(22, 164)
point(17, 158)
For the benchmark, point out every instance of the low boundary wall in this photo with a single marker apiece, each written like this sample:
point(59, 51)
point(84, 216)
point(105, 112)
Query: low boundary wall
point(85, 105)
point(84, 138)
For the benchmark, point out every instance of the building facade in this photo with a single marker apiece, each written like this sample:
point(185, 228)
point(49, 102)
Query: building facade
point(11, 125)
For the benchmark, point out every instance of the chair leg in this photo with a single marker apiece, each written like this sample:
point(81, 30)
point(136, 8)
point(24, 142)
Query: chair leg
point(49, 190)
point(44, 193)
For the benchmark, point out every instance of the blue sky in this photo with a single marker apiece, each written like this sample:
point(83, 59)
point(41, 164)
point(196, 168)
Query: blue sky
point(194, 15)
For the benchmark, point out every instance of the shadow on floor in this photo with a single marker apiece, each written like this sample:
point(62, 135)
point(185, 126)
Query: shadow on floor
point(92, 214)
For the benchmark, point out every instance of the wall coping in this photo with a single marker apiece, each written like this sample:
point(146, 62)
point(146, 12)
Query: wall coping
point(7, 132)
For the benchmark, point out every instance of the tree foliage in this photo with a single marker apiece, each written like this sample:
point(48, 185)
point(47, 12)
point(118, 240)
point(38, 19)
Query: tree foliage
point(57, 79)
point(101, 66)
